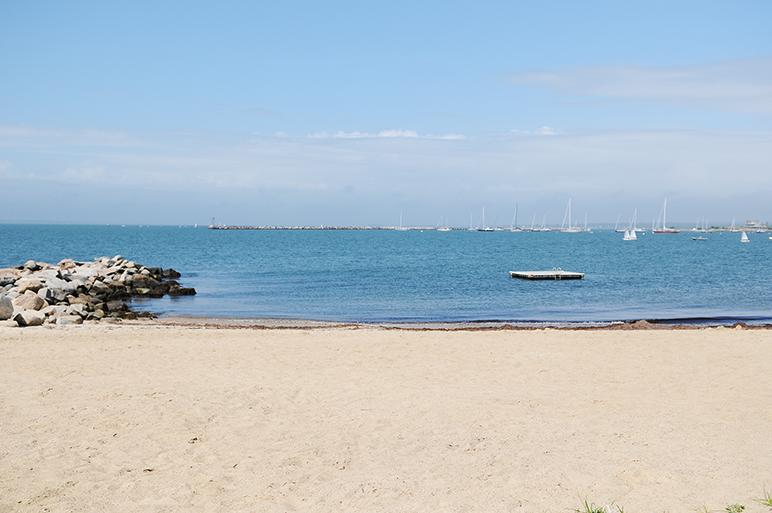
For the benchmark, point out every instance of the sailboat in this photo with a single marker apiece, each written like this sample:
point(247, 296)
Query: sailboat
point(744, 237)
point(630, 231)
point(616, 226)
point(400, 223)
point(570, 229)
point(513, 227)
point(665, 229)
point(484, 228)
point(543, 227)
point(441, 228)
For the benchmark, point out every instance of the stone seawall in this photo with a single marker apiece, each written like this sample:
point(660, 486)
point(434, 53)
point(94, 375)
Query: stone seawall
point(71, 292)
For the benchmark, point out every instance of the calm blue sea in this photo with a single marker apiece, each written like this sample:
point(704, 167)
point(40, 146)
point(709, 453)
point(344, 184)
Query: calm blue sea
point(427, 276)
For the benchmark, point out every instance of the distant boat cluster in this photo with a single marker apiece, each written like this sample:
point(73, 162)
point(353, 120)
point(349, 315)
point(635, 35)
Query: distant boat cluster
point(630, 233)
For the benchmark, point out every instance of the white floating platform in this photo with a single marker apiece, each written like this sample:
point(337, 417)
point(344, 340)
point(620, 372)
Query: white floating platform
point(555, 274)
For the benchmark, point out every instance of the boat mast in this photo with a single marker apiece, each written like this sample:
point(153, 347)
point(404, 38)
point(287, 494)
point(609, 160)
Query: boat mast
point(664, 217)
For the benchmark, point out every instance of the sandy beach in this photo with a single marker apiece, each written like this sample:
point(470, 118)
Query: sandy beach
point(183, 418)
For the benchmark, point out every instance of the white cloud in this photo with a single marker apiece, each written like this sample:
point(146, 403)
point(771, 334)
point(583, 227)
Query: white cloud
point(733, 86)
point(397, 133)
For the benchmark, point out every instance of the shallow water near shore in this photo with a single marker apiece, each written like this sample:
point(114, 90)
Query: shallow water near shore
point(414, 276)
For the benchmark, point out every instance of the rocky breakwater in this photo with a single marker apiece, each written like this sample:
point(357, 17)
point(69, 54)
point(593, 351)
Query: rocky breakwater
point(71, 292)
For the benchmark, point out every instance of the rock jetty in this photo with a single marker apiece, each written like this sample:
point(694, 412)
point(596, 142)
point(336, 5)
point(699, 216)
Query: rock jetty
point(71, 292)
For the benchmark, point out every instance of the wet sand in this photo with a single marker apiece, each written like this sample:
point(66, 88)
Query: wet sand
point(152, 417)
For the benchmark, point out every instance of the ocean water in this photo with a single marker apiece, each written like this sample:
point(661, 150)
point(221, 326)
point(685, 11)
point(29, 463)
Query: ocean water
point(387, 276)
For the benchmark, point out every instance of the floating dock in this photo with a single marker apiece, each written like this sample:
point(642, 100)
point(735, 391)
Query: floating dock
point(555, 274)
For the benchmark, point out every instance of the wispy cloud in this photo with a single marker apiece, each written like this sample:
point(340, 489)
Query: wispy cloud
point(734, 86)
point(391, 133)
point(305, 179)
point(545, 130)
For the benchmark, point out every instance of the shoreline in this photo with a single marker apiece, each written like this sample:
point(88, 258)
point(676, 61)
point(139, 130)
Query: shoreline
point(300, 324)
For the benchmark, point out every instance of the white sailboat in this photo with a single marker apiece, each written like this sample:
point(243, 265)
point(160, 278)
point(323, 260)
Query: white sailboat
point(513, 227)
point(543, 225)
point(400, 223)
point(665, 229)
point(630, 235)
point(570, 229)
point(744, 237)
point(484, 228)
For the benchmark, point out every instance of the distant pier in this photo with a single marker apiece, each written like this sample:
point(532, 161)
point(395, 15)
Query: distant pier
point(227, 227)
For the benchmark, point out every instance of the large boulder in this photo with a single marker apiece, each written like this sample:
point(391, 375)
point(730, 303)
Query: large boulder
point(29, 300)
point(171, 273)
point(32, 284)
point(64, 286)
point(7, 280)
point(99, 288)
point(69, 319)
point(6, 308)
point(76, 309)
point(181, 291)
point(29, 318)
point(51, 296)
point(48, 274)
point(143, 281)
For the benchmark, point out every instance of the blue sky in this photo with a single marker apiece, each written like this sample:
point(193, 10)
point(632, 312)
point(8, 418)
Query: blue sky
point(352, 112)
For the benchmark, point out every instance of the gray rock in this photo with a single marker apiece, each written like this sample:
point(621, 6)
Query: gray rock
point(51, 296)
point(85, 272)
point(7, 280)
point(76, 309)
point(29, 318)
point(48, 274)
point(31, 265)
point(29, 300)
point(67, 287)
point(69, 319)
point(6, 308)
point(79, 280)
point(99, 288)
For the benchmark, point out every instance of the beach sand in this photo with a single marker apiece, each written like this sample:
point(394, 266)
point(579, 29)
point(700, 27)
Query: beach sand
point(158, 418)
